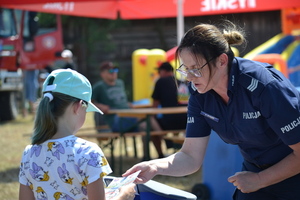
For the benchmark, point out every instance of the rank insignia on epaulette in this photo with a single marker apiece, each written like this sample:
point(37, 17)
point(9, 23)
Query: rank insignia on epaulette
point(253, 85)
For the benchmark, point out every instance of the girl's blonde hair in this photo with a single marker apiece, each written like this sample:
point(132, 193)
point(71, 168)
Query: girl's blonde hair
point(48, 112)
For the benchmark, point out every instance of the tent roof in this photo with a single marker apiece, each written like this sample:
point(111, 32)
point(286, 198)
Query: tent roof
point(18, 2)
point(146, 9)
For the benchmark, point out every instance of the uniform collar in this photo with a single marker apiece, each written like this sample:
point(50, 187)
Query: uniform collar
point(232, 79)
point(233, 75)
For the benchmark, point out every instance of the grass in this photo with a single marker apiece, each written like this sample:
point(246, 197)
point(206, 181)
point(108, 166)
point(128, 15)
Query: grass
point(13, 142)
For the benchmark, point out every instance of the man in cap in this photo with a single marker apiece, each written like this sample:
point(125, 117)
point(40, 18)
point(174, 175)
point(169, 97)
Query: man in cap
point(109, 93)
point(67, 56)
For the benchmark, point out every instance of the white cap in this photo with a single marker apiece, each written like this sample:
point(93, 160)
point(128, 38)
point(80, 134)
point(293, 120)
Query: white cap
point(67, 54)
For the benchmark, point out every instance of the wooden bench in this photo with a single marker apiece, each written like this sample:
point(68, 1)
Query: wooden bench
point(108, 135)
point(111, 136)
point(103, 133)
point(104, 136)
point(177, 140)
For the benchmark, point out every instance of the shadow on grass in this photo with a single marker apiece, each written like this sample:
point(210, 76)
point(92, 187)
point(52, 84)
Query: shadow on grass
point(10, 175)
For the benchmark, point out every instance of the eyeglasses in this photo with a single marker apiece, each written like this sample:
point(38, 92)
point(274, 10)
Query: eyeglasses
point(84, 104)
point(113, 70)
point(195, 72)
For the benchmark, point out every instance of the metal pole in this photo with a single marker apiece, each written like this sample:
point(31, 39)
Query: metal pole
point(180, 20)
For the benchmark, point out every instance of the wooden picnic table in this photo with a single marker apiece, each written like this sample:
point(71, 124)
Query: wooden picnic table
point(145, 113)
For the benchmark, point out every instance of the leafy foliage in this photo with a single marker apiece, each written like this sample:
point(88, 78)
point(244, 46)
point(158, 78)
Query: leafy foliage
point(93, 30)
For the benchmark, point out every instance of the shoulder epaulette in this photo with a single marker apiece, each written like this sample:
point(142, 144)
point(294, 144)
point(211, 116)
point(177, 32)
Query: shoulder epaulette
point(251, 84)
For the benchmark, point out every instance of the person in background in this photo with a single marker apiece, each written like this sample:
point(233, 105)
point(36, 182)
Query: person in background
point(67, 56)
point(59, 165)
point(45, 72)
point(31, 83)
point(165, 94)
point(109, 93)
point(247, 103)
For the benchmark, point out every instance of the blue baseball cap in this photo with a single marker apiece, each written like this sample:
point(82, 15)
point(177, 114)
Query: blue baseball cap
point(72, 83)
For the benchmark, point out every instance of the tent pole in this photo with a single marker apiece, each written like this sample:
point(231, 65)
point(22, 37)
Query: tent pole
point(180, 20)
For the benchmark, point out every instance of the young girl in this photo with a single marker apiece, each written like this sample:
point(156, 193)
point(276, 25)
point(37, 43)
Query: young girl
point(59, 165)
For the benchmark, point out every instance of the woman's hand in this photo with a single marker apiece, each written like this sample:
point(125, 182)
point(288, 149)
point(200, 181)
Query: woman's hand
point(148, 171)
point(245, 181)
point(250, 182)
point(188, 160)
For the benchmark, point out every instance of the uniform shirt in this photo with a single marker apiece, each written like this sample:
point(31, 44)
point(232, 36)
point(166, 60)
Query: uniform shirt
point(62, 168)
point(262, 116)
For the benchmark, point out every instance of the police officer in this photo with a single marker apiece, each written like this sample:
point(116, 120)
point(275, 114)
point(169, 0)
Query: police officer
point(247, 103)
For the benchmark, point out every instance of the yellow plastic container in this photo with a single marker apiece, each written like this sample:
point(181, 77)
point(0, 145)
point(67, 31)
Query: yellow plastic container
point(155, 58)
point(139, 74)
point(144, 71)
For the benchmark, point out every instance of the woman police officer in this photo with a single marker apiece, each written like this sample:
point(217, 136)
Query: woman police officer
point(247, 103)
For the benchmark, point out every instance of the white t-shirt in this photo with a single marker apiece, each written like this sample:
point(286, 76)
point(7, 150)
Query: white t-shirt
point(62, 168)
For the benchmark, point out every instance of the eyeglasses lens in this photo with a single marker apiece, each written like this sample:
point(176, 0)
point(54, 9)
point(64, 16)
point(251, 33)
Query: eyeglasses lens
point(195, 72)
point(84, 104)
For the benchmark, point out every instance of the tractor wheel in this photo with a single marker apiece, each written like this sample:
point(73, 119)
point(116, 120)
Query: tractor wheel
point(8, 106)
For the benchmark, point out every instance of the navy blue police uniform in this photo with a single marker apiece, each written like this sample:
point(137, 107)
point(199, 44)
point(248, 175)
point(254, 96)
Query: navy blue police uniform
point(262, 117)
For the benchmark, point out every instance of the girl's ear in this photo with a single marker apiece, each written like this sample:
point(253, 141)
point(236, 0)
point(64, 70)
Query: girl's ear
point(76, 107)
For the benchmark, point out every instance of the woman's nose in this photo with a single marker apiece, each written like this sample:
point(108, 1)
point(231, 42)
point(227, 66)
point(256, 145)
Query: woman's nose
point(189, 76)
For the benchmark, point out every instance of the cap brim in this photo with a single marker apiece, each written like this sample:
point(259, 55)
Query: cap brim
point(92, 108)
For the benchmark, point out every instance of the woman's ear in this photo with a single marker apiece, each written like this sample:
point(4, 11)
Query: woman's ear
point(222, 60)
